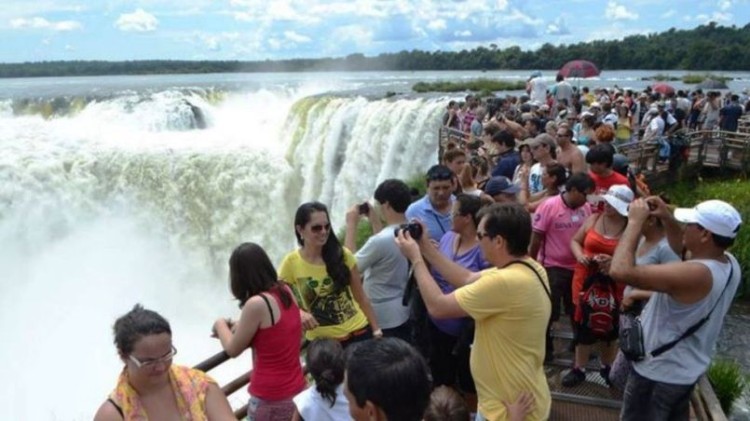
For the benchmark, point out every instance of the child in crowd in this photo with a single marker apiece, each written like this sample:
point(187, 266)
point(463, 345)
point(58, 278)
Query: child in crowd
point(447, 405)
point(325, 401)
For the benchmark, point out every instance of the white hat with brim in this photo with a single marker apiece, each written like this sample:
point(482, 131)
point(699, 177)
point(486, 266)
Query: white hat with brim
point(715, 216)
point(618, 196)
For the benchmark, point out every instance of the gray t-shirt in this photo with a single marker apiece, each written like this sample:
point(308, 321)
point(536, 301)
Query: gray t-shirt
point(660, 253)
point(385, 272)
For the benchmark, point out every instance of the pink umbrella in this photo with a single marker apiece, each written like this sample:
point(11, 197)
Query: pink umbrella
point(662, 88)
point(579, 69)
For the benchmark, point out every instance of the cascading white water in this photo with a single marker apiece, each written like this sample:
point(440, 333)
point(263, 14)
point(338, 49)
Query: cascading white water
point(121, 202)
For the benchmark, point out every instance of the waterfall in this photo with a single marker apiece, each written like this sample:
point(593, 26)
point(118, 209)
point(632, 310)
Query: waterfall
point(124, 199)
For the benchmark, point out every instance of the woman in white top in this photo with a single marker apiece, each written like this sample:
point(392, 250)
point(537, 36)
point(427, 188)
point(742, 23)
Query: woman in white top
point(325, 400)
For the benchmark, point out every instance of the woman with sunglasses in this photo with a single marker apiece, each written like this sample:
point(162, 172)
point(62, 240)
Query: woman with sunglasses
point(324, 278)
point(270, 324)
point(150, 386)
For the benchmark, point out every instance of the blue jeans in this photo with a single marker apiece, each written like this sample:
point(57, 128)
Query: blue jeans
point(646, 399)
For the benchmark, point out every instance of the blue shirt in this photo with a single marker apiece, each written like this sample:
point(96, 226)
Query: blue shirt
point(437, 223)
point(507, 164)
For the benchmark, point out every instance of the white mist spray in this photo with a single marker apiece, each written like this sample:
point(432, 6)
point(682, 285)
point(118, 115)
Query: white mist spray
point(119, 204)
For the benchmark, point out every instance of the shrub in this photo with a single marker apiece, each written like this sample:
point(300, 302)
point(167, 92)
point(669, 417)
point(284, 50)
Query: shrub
point(735, 191)
point(364, 229)
point(727, 381)
point(698, 78)
point(484, 86)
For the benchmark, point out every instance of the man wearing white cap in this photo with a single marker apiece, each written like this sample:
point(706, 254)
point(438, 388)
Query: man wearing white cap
point(684, 316)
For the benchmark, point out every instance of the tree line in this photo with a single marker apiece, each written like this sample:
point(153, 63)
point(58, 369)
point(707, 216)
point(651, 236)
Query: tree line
point(706, 47)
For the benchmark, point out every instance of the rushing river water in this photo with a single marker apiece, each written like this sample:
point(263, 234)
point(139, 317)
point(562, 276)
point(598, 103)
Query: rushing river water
point(118, 190)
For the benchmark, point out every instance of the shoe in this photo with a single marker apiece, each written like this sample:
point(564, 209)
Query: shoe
point(604, 372)
point(574, 378)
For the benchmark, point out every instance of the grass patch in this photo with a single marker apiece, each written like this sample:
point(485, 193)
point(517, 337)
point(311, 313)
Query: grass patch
point(735, 191)
point(482, 86)
point(728, 382)
point(698, 78)
point(660, 77)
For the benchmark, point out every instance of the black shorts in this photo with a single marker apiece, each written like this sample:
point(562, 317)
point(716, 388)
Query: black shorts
point(584, 336)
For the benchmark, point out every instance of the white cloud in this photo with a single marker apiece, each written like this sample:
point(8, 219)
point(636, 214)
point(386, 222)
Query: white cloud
point(437, 24)
point(295, 37)
point(725, 5)
point(138, 21)
point(718, 17)
point(668, 14)
point(463, 34)
point(69, 47)
point(616, 11)
point(42, 23)
point(558, 27)
point(502, 5)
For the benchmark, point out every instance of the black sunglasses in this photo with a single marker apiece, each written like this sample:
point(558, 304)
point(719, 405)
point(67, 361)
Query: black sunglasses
point(319, 228)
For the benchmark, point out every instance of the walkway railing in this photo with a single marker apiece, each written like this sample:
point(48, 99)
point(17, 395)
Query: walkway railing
point(231, 387)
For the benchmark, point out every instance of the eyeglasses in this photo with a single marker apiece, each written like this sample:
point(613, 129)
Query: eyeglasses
point(319, 228)
point(152, 362)
point(481, 235)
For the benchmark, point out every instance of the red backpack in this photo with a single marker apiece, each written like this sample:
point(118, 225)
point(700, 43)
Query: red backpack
point(598, 306)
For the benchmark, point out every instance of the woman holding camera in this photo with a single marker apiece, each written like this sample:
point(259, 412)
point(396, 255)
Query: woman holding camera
point(450, 339)
point(324, 278)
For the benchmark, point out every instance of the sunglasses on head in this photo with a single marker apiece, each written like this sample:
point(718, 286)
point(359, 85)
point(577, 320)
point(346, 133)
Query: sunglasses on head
point(440, 175)
point(319, 228)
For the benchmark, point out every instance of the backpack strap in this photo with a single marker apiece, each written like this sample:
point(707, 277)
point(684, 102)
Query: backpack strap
point(541, 281)
point(270, 310)
point(692, 329)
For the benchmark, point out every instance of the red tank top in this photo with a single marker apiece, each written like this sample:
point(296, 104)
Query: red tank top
point(594, 243)
point(277, 372)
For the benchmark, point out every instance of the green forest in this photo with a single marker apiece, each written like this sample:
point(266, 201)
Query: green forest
point(707, 47)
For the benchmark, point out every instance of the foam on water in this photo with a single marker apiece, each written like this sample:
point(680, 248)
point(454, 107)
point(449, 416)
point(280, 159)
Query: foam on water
point(124, 202)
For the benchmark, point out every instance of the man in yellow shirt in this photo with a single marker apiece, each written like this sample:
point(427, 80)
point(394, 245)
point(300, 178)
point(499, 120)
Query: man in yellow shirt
point(510, 303)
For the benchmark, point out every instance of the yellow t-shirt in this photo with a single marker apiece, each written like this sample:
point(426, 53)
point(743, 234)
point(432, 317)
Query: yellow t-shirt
point(511, 310)
point(338, 315)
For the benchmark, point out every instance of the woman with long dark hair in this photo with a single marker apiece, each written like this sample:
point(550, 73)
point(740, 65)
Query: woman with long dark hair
point(324, 278)
point(270, 324)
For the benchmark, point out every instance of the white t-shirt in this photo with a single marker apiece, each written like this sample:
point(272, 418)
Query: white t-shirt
point(313, 407)
point(535, 178)
point(538, 90)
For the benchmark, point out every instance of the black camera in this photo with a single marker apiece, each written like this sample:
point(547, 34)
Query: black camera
point(414, 229)
point(364, 208)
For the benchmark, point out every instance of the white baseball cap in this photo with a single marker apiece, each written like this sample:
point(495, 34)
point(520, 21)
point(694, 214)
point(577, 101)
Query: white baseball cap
point(716, 216)
point(618, 196)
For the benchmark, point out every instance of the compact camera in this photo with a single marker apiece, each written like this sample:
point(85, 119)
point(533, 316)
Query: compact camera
point(414, 229)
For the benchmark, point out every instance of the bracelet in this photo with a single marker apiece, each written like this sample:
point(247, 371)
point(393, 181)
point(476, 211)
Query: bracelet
point(378, 332)
point(414, 263)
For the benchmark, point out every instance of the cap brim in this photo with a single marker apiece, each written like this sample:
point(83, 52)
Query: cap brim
point(686, 215)
point(512, 189)
point(620, 206)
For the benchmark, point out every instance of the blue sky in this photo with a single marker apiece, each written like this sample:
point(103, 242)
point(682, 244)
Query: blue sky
point(36, 30)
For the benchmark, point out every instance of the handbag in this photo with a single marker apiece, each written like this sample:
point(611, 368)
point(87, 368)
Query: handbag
point(631, 337)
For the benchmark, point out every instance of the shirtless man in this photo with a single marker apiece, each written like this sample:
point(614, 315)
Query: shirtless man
point(568, 155)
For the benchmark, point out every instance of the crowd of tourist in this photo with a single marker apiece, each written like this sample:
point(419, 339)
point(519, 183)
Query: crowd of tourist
point(448, 311)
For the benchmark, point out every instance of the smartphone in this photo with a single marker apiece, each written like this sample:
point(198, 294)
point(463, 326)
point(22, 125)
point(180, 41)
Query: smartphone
point(364, 208)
